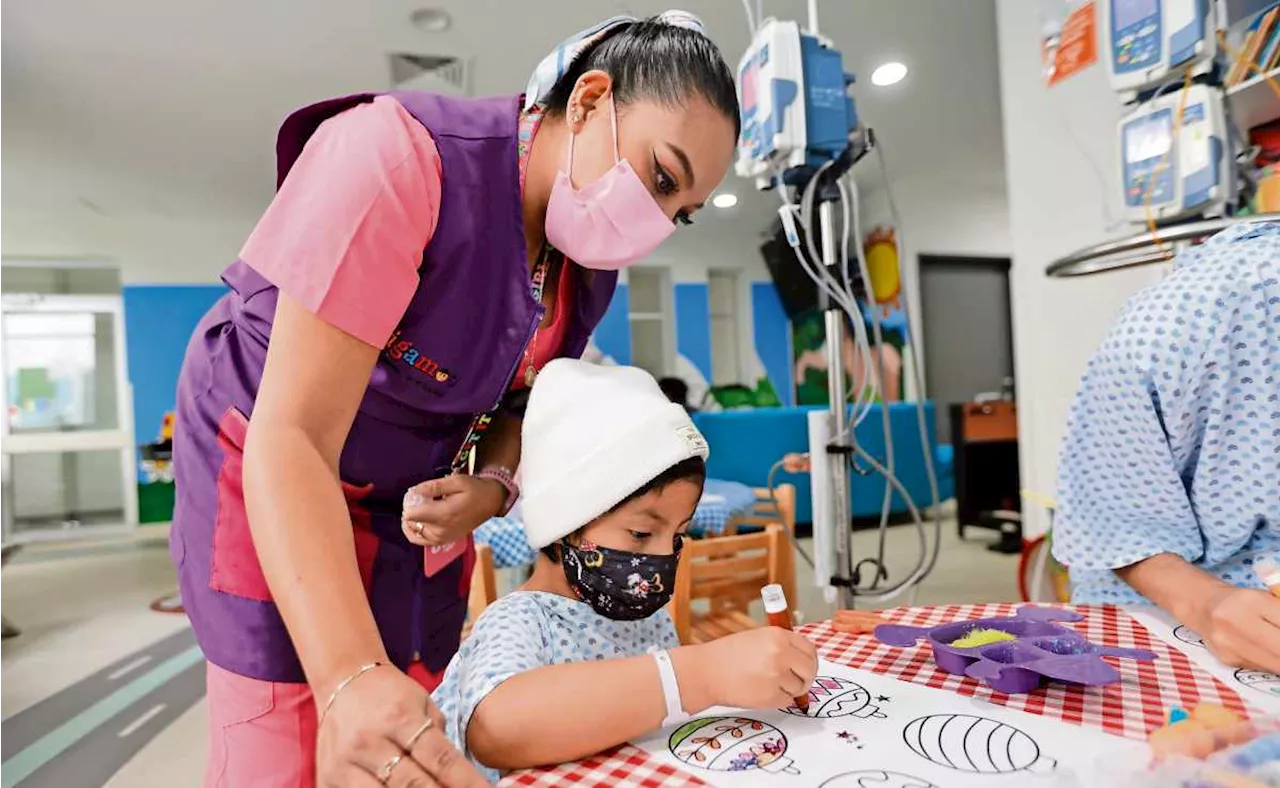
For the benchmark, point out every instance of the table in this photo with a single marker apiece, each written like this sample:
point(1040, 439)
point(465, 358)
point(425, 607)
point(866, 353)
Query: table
point(506, 538)
point(1138, 704)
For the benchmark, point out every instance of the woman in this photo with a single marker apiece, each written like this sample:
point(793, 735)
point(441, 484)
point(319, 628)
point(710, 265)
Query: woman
point(423, 258)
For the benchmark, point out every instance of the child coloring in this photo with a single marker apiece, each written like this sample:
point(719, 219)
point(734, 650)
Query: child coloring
point(584, 657)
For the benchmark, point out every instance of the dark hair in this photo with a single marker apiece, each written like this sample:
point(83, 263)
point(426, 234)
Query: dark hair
point(693, 469)
point(655, 60)
point(675, 389)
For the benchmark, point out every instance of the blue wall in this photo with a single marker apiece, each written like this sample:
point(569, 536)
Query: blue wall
point(613, 334)
point(158, 322)
point(773, 339)
point(693, 325)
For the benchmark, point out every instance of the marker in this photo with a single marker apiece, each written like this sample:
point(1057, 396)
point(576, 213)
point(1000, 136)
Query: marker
point(1269, 573)
point(778, 614)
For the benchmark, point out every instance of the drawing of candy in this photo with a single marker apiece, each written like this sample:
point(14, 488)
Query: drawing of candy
point(831, 696)
point(731, 744)
point(969, 743)
point(1259, 680)
point(1188, 636)
point(876, 778)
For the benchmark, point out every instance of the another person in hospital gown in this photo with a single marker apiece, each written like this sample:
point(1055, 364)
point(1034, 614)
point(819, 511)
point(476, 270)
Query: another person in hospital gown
point(1169, 485)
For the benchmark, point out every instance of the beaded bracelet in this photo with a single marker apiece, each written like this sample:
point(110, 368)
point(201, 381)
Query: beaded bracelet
point(504, 477)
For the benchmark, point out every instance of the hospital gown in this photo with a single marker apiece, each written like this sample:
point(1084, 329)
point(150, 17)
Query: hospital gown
point(528, 630)
point(1173, 443)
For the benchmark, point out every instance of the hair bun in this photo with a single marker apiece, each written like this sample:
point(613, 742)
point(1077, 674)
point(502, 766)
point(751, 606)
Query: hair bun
point(677, 18)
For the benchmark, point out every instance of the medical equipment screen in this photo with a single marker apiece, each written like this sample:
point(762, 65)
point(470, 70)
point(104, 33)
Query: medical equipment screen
point(1148, 139)
point(1128, 12)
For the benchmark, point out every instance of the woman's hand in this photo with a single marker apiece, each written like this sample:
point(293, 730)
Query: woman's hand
point(442, 511)
point(1242, 627)
point(377, 717)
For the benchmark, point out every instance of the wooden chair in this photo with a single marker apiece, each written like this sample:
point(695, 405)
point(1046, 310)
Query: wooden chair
point(484, 587)
point(726, 567)
point(9, 630)
point(780, 509)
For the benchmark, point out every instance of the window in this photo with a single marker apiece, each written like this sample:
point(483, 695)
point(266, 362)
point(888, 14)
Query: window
point(650, 312)
point(726, 341)
point(68, 457)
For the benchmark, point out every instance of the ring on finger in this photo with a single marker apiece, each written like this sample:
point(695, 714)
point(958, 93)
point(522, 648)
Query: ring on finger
point(426, 726)
point(384, 771)
point(418, 525)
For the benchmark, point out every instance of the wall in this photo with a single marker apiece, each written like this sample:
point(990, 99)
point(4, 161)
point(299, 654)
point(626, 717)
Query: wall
point(159, 321)
point(148, 248)
point(1060, 147)
point(961, 213)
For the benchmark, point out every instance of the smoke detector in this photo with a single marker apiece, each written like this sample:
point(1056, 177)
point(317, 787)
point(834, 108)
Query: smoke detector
point(431, 20)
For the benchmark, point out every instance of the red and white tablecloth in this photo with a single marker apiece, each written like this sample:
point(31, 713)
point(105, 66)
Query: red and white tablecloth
point(1139, 703)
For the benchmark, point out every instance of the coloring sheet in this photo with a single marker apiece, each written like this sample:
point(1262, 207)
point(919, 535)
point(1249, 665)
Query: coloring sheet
point(868, 731)
point(1258, 689)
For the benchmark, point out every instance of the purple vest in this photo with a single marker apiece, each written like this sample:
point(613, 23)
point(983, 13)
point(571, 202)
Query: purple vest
point(452, 356)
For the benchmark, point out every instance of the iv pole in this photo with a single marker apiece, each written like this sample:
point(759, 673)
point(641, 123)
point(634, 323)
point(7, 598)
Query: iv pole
point(837, 399)
point(839, 453)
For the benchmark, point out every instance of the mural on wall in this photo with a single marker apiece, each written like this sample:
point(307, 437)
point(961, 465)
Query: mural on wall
point(884, 296)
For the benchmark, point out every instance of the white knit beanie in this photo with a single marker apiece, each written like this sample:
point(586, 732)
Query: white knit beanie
point(593, 435)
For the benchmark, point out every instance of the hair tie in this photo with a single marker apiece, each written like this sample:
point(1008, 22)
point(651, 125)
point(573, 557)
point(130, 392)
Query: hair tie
point(555, 64)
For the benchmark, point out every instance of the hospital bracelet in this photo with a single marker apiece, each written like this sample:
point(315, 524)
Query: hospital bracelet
point(670, 688)
point(363, 669)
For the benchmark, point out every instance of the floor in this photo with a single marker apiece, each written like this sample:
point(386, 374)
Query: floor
point(99, 690)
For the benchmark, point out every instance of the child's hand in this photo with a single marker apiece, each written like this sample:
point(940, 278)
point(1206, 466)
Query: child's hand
point(758, 669)
point(795, 463)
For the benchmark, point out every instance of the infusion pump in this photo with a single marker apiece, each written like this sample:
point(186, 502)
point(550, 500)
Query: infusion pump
point(1168, 176)
point(1145, 41)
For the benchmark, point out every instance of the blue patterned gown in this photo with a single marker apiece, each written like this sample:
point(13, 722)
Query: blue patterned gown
point(1173, 443)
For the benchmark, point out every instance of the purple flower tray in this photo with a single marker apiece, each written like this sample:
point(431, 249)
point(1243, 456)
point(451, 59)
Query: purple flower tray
point(1041, 651)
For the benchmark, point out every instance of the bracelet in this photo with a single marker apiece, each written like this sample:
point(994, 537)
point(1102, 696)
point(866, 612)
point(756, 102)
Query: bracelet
point(504, 477)
point(363, 669)
point(670, 689)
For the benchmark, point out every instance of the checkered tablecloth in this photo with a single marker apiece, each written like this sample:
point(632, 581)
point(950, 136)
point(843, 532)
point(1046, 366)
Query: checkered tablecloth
point(624, 767)
point(505, 535)
point(1139, 703)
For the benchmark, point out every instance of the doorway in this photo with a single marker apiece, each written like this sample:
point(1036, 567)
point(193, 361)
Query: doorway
point(69, 463)
point(968, 330)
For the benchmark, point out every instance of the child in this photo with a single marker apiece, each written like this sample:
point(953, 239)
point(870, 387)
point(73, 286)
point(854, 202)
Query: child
point(583, 657)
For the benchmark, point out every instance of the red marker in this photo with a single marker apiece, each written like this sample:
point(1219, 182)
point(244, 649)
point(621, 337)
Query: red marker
point(778, 614)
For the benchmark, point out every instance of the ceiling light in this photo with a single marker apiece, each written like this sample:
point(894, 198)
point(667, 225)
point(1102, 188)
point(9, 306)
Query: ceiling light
point(431, 20)
point(724, 200)
point(888, 74)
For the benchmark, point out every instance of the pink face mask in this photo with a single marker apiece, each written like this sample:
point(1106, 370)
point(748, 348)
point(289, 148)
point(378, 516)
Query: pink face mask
point(607, 225)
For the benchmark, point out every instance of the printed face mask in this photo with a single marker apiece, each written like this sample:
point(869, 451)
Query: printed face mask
point(617, 584)
point(609, 224)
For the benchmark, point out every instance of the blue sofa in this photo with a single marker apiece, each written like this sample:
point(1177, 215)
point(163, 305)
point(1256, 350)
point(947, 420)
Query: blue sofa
point(746, 443)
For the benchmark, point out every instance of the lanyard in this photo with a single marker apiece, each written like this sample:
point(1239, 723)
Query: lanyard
point(481, 423)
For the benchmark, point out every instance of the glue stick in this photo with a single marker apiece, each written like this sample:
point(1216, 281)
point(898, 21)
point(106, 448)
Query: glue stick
point(778, 614)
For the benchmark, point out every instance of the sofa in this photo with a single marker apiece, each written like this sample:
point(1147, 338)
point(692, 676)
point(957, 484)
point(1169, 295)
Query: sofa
point(746, 443)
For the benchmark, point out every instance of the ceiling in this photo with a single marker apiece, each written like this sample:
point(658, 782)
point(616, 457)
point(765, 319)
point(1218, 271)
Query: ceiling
point(169, 109)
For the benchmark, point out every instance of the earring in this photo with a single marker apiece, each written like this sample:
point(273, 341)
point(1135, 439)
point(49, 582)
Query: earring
point(576, 118)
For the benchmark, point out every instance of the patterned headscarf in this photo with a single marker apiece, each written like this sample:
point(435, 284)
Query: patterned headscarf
point(555, 64)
